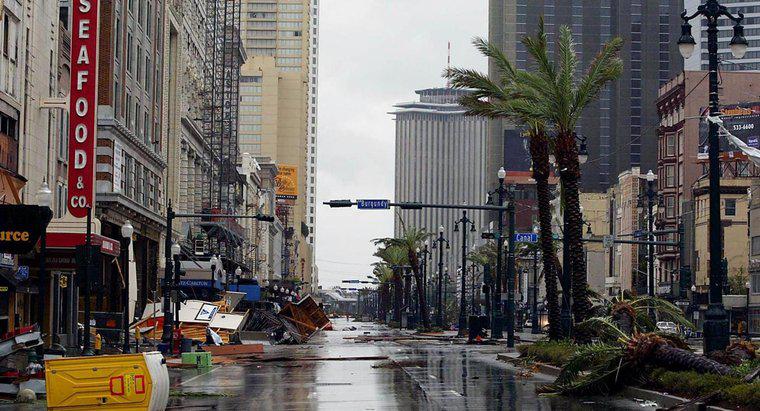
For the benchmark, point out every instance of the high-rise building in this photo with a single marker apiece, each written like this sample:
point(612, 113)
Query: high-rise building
point(751, 23)
point(439, 154)
point(621, 125)
point(278, 112)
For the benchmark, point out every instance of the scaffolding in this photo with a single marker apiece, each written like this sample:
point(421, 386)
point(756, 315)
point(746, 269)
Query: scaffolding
point(222, 185)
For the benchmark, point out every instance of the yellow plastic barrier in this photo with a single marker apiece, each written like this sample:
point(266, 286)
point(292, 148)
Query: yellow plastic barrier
point(131, 381)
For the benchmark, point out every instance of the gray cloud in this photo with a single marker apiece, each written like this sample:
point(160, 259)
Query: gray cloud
point(373, 54)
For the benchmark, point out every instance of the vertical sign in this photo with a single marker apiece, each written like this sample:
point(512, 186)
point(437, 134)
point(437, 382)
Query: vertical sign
point(83, 105)
point(118, 154)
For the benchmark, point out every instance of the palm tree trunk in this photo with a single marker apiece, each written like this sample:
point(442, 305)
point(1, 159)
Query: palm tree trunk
point(420, 290)
point(673, 358)
point(539, 151)
point(383, 301)
point(567, 155)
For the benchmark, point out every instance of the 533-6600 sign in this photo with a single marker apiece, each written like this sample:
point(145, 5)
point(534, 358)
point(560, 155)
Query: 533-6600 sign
point(83, 104)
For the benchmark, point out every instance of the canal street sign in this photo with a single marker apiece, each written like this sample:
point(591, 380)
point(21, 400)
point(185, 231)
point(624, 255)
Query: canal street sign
point(526, 238)
point(373, 204)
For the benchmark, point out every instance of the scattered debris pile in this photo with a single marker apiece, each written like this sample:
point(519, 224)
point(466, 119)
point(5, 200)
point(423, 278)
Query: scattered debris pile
point(20, 367)
point(277, 328)
point(294, 324)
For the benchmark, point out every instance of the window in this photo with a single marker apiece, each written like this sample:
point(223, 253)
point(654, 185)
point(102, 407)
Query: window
point(139, 72)
point(129, 52)
point(147, 129)
point(148, 19)
point(730, 206)
point(670, 176)
point(670, 206)
point(116, 99)
point(128, 118)
point(63, 137)
point(670, 145)
point(117, 39)
point(756, 245)
point(755, 283)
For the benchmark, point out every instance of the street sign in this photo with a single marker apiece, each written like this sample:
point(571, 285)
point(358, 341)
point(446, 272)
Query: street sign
point(526, 238)
point(608, 241)
point(373, 204)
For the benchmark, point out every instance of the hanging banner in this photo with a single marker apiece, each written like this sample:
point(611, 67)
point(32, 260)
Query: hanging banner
point(83, 106)
point(741, 120)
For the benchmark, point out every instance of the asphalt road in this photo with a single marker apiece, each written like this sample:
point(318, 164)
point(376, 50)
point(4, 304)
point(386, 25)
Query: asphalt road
point(430, 376)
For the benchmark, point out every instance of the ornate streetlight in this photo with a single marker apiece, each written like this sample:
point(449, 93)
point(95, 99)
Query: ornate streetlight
point(716, 336)
point(44, 199)
point(438, 243)
point(464, 221)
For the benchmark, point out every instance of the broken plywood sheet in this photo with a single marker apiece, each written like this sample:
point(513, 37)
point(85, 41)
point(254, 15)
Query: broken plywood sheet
point(228, 321)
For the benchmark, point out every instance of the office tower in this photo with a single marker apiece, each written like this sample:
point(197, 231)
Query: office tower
point(278, 116)
point(439, 154)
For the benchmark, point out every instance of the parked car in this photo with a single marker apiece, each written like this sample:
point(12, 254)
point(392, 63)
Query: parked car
point(667, 326)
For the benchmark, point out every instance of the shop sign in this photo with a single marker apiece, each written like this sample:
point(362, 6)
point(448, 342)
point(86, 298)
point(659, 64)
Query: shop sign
point(3, 289)
point(21, 227)
point(23, 273)
point(83, 105)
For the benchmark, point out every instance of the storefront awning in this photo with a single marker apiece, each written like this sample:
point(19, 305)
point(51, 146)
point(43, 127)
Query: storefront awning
point(69, 241)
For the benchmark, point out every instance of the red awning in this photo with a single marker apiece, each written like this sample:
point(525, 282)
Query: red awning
point(70, 240)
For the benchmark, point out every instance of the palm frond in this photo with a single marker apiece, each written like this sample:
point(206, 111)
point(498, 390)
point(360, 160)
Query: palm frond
point(593, 369)
point(605, 68)
point(567, 62)
point(664, 309)
point(602, 327)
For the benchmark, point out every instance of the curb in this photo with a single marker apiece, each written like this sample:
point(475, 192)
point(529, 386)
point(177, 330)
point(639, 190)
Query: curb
point(545, 369)
point(665, 400)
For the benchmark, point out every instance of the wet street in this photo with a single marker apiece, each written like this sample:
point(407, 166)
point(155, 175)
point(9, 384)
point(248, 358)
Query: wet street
point(431, 375)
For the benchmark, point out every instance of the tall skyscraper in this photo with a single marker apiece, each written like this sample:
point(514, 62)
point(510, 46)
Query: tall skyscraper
point(751, 61)
point(439, 154)
point(278, 111)
point(621, 125)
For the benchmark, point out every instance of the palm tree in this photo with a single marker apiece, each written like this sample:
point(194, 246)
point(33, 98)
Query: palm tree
point(384, 275)
point(394, 258)
point(561, 100)
point(411, 239)
point(508, 98)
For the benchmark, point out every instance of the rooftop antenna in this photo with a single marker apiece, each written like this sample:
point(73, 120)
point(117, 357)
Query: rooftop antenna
point(448, 81)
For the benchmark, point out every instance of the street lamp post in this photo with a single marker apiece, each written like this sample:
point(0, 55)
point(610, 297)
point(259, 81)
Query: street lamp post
point(464, 221)
point(126, 238)
point(651, 193)
point(176, 250)
point(438, 243)
point(473, 310)
point(166, 334)
point(497, 318)
point(716, 330)
point(511, 269)
point(238, 273)
point(44, 200)
point(534, 326)
point(214, 263)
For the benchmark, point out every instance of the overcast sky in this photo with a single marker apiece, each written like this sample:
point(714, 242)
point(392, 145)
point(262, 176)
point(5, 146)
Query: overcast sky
point(373, 54)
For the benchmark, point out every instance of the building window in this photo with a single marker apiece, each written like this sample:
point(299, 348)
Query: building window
point(670, 207)
point(755, 283)
point(670, 145)
point(670, 176)
point(730, 206)
point(756, 245)
point(129, 52)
